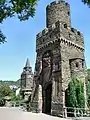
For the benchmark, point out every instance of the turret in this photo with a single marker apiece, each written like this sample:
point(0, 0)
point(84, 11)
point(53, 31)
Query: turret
point(58, 10)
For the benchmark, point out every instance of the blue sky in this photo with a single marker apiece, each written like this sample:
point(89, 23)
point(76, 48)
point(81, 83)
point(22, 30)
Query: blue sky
point(21, 38)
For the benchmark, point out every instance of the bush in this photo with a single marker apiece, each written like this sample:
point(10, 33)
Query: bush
point(75, 94)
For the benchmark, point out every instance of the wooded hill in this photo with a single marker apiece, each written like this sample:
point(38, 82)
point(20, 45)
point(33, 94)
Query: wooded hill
point(7, 82)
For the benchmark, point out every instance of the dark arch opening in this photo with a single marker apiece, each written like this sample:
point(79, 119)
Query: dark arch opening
point(46, 82)
point(47, 99)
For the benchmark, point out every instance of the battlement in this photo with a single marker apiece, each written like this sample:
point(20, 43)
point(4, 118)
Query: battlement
point(62, 26)
point(72, 30)
point(42, 33)
point(58, 2)
point(71, 34)
point(61, 30)
point(49, 29)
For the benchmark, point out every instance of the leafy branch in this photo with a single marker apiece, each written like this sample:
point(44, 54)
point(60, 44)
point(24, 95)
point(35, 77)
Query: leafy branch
point(23, 9)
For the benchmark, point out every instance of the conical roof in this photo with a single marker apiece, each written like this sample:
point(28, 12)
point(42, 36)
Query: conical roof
point(27, 63)
point(27, 69)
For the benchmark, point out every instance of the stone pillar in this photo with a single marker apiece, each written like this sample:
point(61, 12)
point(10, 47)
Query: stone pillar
point(40, 99)
point(63, 101)
point(56, 88)
point(53, 88)
point(43, 99)
point(53, 106)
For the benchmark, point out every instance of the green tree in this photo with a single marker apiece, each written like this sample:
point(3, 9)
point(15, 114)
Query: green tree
point(2, 101)
point(75, 94)
point(88, 74)
point(15, 98)
point(71, 100)
point(24, 9)
point(88, 87)
point(4, 91)
point(86, 2)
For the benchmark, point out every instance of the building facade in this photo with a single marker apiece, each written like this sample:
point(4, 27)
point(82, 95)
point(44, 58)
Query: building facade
point(60, 55)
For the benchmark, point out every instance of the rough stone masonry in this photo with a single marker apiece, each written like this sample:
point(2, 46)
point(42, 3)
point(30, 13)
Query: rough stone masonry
point(60, 55)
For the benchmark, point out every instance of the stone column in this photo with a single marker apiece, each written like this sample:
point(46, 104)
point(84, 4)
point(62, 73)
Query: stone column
point(56, 88)
point(53, 88)
point(63, 101)
point(40, 99)
point(53, 112)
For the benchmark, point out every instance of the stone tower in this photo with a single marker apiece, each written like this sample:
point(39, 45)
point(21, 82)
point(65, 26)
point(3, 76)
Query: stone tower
point(60, 55)
point(27, 76)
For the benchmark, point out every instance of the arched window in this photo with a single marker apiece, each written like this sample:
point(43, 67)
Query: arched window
point(72, 29)
point(65, 25)
point(82, 64)
point(78, 33)
point(68, 13)
point(77, 65)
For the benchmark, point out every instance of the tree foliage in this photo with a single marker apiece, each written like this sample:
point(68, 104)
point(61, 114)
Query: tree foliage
point(15, 98)
point(86, 2)
point(4, 91)
point(88, 87)
point(10, 83)
point(24, 9)
point(88, 74)
point(2, 101)
point(75, 94)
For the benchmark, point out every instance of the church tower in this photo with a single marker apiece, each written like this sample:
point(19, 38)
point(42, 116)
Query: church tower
point(60, 55)
point(27, 76)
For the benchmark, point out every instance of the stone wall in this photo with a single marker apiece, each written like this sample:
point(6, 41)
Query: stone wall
point(27, 80)
point(71, 56)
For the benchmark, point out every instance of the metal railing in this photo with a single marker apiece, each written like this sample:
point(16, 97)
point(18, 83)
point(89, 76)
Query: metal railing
point(76, 112)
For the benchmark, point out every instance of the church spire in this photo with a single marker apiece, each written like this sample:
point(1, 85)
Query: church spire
point(27, 63)
point(27, 66)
